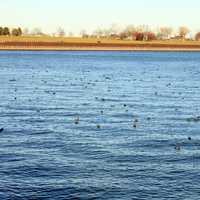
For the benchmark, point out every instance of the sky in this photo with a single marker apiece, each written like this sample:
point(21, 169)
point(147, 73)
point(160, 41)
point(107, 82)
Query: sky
point(76, 15)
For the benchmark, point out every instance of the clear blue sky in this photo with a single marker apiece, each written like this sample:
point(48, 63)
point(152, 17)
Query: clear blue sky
point(75, 15)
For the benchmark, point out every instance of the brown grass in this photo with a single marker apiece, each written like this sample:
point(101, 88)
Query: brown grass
point(67, 43)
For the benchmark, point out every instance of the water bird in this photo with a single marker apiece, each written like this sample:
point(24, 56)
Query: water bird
point(98, 126)
point(1, 130)
point(194, 119)
point(12, 80)
point(177, 147)
point(77, 120)
point(189, 138)
point(135, 123)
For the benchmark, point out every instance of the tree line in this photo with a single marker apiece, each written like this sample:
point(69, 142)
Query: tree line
point(130, 32)
point(5, 31)
point(143, 33)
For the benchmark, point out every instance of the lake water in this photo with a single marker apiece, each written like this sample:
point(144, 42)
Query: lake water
point(99, 125)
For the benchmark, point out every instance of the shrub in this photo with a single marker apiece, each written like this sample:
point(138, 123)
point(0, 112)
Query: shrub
point(1, 31)
point(150, 36)
point(6, 31)
point(17, 32)
point(138, 36)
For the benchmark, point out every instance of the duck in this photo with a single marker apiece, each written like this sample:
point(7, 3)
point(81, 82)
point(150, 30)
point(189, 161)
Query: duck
point(76, 121)
point(98, 126)
point(177, 147)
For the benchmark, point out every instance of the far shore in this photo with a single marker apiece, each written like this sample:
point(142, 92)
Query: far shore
point(93, 44)
point(97, 49)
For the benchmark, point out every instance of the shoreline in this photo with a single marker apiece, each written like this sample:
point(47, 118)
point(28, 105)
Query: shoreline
point(99, 49)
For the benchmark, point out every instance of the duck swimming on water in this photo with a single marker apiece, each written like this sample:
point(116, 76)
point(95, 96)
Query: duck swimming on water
point(76, 121)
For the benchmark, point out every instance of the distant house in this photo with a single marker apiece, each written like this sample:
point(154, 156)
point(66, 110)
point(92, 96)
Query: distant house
point(177, 37)
point(115, 36)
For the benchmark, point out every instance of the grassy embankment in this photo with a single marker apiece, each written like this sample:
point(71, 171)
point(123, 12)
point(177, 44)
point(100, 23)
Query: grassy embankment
point(56, 43)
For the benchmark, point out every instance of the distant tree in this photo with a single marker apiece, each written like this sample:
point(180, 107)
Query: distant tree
point(17, 31)
point(20, 31)
point(150, 36)
point(183, 31)
point(123, 35)
point(84, 34)
point(37, 32)
point(165, 32)
point(70, 34)
point(6, 31)
point(61, 32)
point(114, 29)
point(197, 36)
point(129, 30)
point(99, 32)
point(106, 33)
point(1, 30)
point(139, 36)
point(143, 28)
point(25, 31)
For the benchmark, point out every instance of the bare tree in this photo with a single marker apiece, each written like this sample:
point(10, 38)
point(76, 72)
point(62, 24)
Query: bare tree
point(107, 32)
point(60, 32)
point(183, 31)
point(70, 34)
point(84, 34)
point(37, 31)
point(99, 32)
point(129, 30)
point(143, 28)
point(114, 29)
point(25, 31)
point(165, 32)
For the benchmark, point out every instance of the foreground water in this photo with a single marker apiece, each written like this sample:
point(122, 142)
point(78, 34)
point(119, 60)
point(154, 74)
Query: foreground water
point(99, 125)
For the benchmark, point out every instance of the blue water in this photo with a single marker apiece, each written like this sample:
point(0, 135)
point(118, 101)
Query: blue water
point(134, 110)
